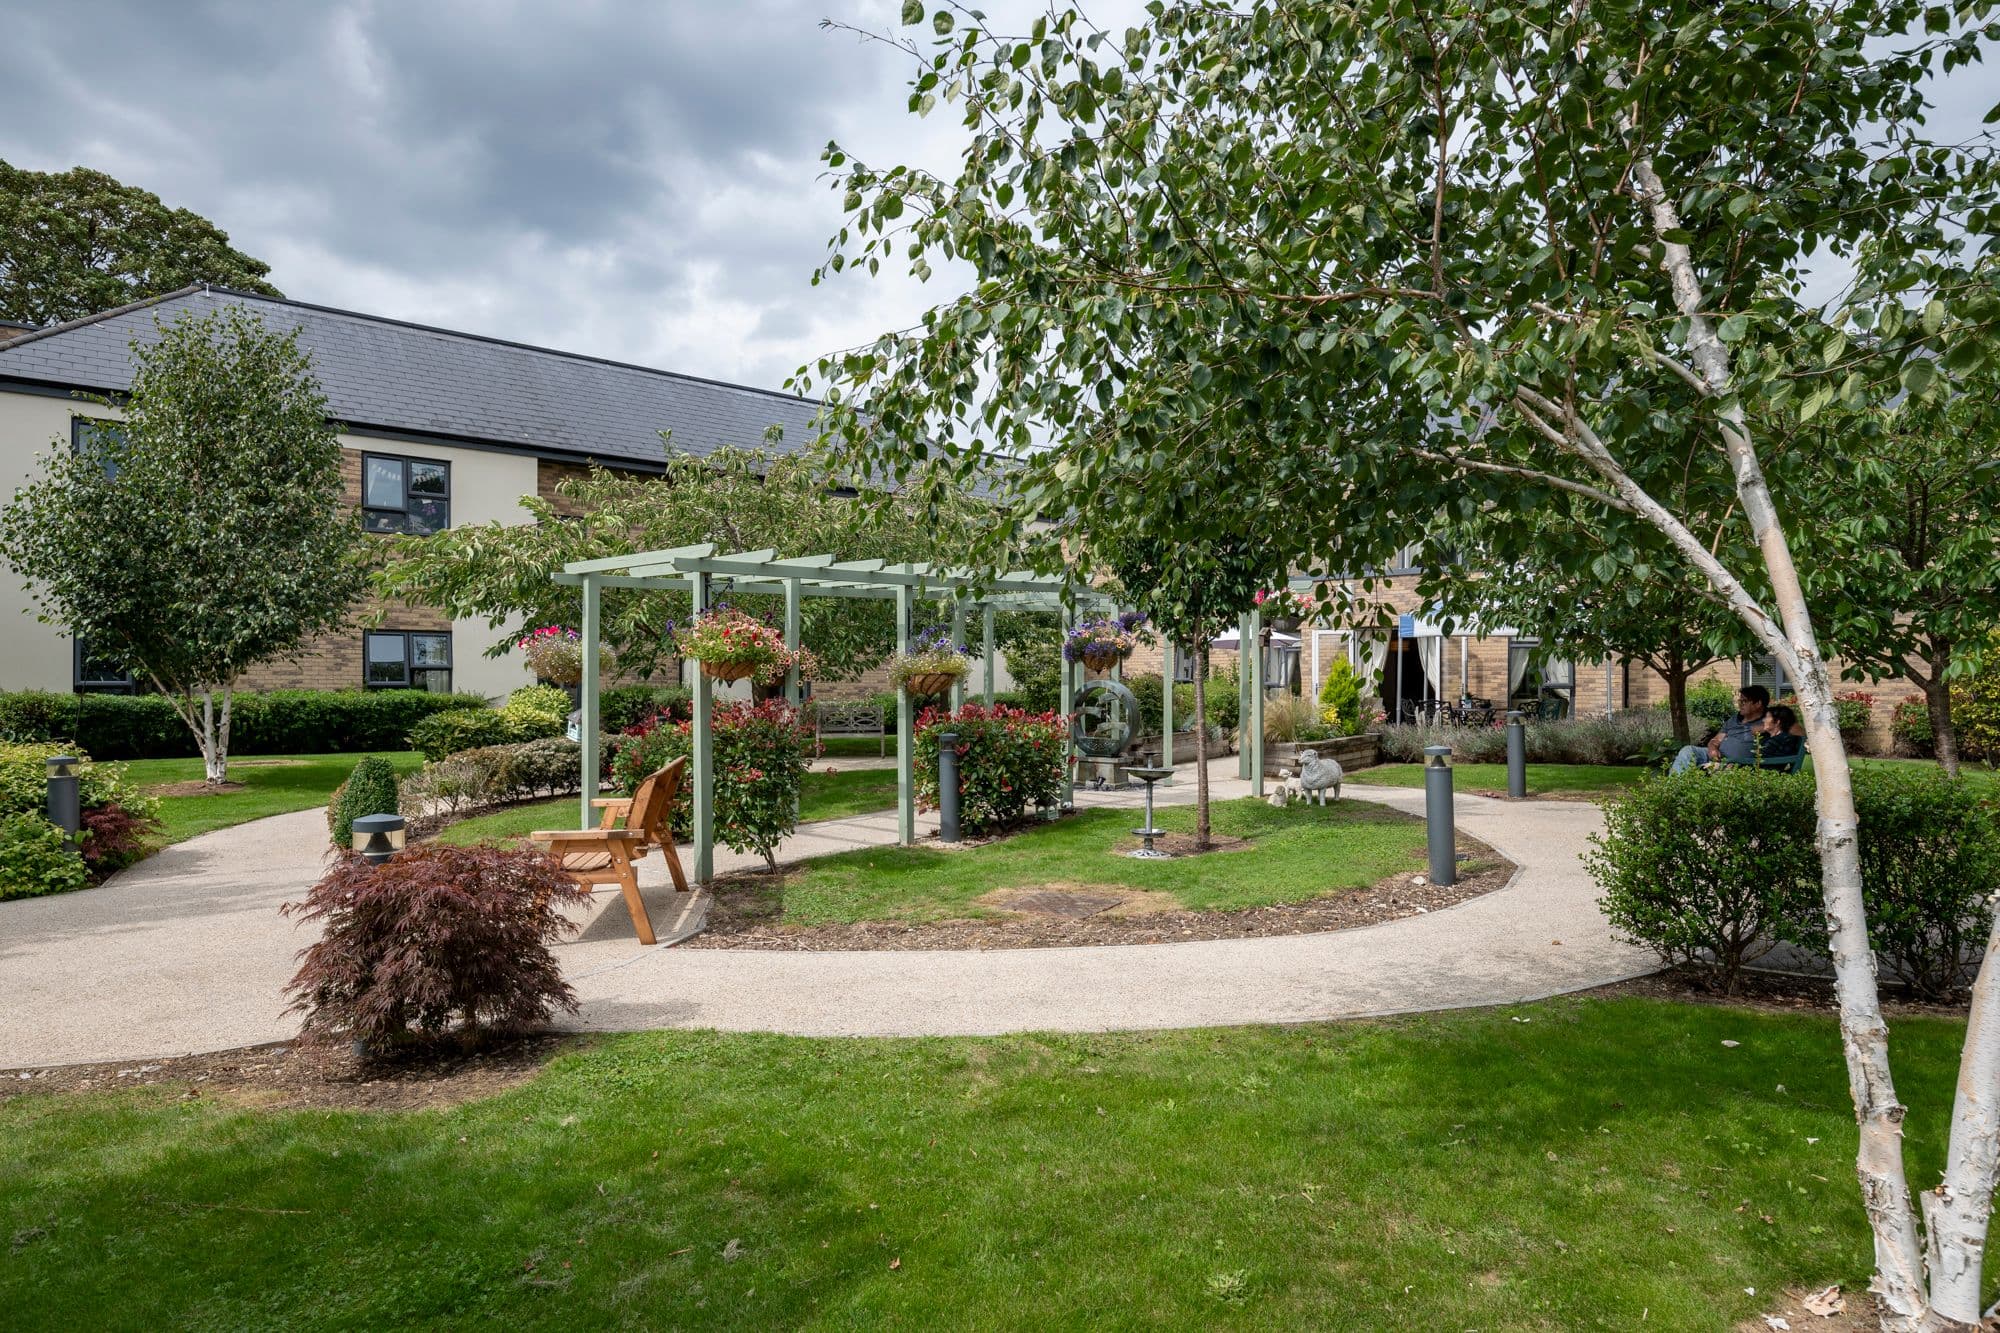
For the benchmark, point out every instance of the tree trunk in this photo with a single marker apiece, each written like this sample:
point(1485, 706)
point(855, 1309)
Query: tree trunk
point(214, 762)
point(1200, 744)
point(1937, 701)
point(1885, 1190)
point(1676, 676)
point(1955, 1213)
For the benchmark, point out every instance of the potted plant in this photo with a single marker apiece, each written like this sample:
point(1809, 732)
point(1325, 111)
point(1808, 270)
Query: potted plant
point(1102, 642)
point(1285, 609)
point(932, 666)
point(555, 654)
point(732, 645)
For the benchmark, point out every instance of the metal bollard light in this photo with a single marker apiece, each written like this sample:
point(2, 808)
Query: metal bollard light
point(1440, 836)
point(64, 805)
point(1517, 757)
point(948, 786)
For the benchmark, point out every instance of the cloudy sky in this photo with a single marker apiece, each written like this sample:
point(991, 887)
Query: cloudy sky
point(637, 180)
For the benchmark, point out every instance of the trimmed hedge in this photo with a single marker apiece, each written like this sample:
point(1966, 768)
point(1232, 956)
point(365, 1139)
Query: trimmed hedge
point(144, 726)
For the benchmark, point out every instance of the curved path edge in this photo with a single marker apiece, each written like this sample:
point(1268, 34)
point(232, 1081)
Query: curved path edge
point(188, 953)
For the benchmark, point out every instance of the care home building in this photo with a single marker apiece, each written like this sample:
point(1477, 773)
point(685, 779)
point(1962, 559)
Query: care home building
point(438, 429)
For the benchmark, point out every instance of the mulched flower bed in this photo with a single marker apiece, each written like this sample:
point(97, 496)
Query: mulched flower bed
point(285, 1075)
point(740, 915)
point(1782, 992)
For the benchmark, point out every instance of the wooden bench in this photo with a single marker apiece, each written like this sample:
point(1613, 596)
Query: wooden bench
point(628, 829)
point(831, 718)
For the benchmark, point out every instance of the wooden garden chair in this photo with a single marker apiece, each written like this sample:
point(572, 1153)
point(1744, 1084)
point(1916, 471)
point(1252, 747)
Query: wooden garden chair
point(629, 828)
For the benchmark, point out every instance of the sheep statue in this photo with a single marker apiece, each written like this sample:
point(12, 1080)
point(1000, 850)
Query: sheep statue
point(1316, 775)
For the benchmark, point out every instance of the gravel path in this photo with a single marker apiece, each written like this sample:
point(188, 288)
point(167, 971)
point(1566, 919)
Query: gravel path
point(187, 952)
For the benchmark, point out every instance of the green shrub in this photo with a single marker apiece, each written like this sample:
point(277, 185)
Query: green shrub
point(492, 775)
point(1289, 718)
point(760, 754)
point(444, 734)
point(1711, 866)
point(1711, 701)
point(1147, 688)
point(536, 711)
point(623, 707)
point(1036, 665)
point(145, 726)
point(1622, 738)
point(1975, 708)
point(1224, 706)
point(1010, 762)
point(1340, 698)
point(33, 860)
point(369, 790)
point(24, 781)
point(1910, 724)
point(1930, 856)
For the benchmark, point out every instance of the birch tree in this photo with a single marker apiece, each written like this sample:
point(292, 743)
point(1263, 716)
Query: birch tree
point(1333, 230)
point(200, 530)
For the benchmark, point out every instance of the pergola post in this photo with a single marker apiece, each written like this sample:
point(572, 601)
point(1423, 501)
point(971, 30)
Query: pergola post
point(587, 725)
point(1066, 705)
point(957, 699)
point(793, 595)
point(986, 650)
point(1243, 650)
point(1166, 704)
point(906, 758)
point(1256, 747)
point(704, 753)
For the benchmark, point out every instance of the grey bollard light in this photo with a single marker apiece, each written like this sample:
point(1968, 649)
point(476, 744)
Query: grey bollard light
point(64, 805)
point(1517, 757)
point(1442, 840)
point(948, 786)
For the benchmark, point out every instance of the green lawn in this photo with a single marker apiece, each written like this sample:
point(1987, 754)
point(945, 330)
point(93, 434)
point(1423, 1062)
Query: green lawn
point(853, 747)
point(1984, 781)
point(1299, 852)
point(1575, 1164)
point(1542, 778)
point(273, 785)
point(823, 796)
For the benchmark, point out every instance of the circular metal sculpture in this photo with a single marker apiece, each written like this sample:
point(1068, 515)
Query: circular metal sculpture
point(1105, 715)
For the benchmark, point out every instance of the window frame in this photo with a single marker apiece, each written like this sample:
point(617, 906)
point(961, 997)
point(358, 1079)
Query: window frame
point(124, 683)
point(82, 428)
point(1760, 664)
point(1537, 672)
point(410, 667)
point(404, 463)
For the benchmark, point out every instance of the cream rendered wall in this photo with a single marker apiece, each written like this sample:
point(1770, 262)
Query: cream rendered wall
point(486, 486)
point(32, 655)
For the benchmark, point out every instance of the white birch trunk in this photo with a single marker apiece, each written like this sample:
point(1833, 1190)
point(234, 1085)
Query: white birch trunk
point(1885, 1191)
point(1956, 1212)
point(212, 763)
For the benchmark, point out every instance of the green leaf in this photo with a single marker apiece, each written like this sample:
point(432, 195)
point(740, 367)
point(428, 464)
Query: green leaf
point(1731, 330)
point(1933, 316)
point(913, 12)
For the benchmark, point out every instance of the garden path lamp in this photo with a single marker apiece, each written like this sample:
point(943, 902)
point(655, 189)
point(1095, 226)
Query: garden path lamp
point(378, 837)
point(64, 806)
point(1517, 757)
point(1440, 836)
point(948, 796)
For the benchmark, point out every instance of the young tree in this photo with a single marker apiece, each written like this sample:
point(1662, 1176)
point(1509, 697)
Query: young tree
point(75, 242)
point(204, 533)
point(1905, 538)
point(1191, 591)
point(1347, 233)
point(740, 499)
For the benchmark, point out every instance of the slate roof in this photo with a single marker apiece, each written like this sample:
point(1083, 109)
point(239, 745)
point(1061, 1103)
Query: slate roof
point(388, 376)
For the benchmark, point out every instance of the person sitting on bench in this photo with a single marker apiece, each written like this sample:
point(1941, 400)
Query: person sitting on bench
point(1735, 741)
point(1782, 736)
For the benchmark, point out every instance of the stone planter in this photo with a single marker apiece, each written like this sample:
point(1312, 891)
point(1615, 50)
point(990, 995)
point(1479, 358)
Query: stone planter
point(1350, 752)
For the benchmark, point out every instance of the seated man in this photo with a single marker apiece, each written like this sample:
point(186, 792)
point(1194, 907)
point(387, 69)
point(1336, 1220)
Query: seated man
point(1736, 739)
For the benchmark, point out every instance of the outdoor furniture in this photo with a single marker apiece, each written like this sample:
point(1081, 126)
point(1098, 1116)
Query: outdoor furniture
point(850, 719)
point(629, 828)
point(1790, 763)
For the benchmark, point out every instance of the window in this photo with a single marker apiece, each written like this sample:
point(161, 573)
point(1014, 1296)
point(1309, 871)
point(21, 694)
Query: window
point(405, 494)
point(1539, 686)
point(1183, 665)
point(88, 435)
point(94, 675)
point(406, 660)
point(1766, 671)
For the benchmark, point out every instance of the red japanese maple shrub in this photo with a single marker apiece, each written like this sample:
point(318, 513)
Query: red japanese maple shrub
point(435, 939)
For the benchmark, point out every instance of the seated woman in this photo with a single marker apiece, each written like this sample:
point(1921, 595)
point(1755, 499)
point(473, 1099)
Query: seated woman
point(1781, 736)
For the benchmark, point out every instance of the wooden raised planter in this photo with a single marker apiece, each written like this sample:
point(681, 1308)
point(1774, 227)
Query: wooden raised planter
point(1350, 752)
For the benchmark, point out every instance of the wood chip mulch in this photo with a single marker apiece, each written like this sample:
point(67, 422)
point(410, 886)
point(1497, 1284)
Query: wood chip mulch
point(285, 1076)
point(1778, 992)
point(740, 915)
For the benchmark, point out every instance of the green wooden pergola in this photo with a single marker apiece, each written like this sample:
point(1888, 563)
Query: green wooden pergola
point(698, 570)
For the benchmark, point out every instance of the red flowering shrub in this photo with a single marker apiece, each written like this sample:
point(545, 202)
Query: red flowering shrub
point(1009, 762)
point(114, 837)
point(761, 751)
point(435, 937)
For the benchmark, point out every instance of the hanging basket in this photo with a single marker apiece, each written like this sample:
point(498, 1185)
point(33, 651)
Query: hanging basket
point(930, 683)
point(729, 670)
point(1286, 624)
point(1103, 659)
